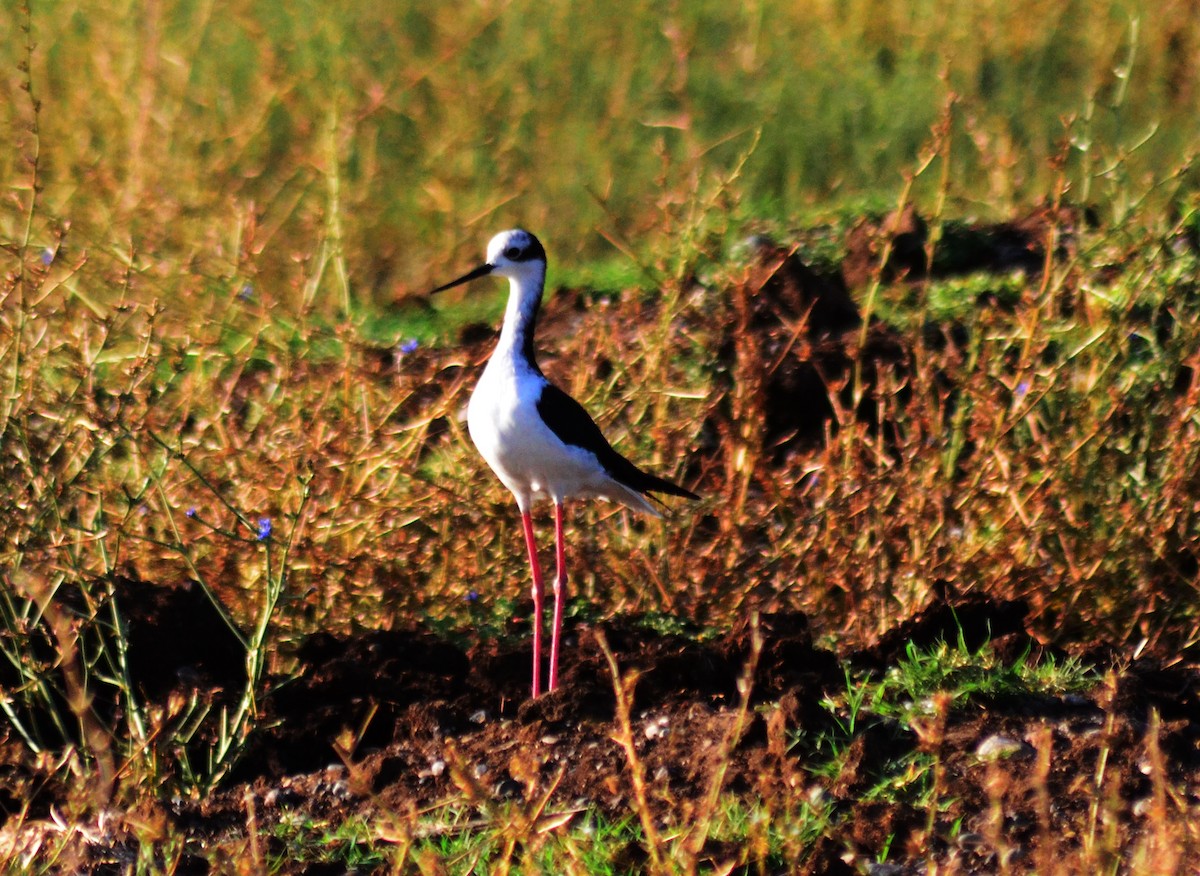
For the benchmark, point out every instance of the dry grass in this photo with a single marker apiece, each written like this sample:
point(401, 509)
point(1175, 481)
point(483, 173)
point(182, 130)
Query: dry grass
point(199, 264)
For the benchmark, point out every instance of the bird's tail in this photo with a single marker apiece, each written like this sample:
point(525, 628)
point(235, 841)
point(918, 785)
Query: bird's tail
point(643, 482)
point(654, 484)
point(634, 487)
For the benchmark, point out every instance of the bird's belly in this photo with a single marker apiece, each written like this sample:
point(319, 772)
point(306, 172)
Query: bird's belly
point(524, 453)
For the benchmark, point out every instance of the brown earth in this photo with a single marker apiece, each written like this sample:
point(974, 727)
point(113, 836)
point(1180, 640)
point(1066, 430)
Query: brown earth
point(395, 721)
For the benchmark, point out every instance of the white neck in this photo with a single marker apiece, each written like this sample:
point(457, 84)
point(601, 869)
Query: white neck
point(520, 316)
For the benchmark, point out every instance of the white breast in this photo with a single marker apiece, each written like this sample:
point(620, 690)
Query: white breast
point(525, 454)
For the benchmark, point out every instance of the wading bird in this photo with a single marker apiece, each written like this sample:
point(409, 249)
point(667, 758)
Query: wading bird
point(537, 439)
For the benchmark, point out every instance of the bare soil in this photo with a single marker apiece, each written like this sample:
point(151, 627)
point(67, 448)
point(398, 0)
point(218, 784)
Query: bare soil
point(394, 721)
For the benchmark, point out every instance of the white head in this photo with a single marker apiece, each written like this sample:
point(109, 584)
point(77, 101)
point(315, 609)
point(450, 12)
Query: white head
point(515, 254)
point(511, 253)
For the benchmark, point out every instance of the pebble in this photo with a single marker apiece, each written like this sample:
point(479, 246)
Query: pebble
point(998, 745)
point(970, 841)
point(657, 727)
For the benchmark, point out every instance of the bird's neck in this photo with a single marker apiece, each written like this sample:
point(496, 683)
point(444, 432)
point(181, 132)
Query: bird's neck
point(520, 317)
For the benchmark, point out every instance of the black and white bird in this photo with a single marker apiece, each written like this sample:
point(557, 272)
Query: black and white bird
point(537, 439)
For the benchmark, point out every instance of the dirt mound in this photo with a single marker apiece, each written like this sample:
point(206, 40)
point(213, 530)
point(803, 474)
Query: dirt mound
point(963, 247)
point(788, 354)
point(412, 690)
point(394, 721)
point(418, 720)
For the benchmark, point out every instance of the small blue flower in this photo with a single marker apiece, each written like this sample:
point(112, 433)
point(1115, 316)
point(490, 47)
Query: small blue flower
point(264, 528)
point(191, 512)
point(1022, 388)
point(409, 346)
point(246, 292)
point(48, 256)
point(472, 596)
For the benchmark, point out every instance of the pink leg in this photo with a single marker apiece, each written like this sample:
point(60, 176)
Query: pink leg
point(531, 544)
point(560, 588)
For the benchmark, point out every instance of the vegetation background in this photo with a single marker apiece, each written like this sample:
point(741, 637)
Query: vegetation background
point(172, 126)
point(217, 362)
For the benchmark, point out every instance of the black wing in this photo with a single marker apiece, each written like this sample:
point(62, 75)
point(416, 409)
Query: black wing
point(570, 422)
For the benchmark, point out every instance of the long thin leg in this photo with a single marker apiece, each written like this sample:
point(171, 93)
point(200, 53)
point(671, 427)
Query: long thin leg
point(531, 544)
point(560, 592)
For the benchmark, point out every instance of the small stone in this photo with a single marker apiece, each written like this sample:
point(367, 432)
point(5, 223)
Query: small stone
point(480, 770)
point(998, 745)
point(657, 727)
point(884, 869)
point(478, 717)
point(969, 841)
point(437, 768)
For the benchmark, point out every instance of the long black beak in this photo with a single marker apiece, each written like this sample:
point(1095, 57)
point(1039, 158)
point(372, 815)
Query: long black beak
point(481, 271)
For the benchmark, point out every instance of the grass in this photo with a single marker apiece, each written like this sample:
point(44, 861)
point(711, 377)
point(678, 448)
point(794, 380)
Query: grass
point(217, 227)
point(928, 684)
point(199, 138)
point(965, 677)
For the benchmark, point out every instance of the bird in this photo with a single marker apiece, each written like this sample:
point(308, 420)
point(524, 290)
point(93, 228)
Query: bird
point(537, 439)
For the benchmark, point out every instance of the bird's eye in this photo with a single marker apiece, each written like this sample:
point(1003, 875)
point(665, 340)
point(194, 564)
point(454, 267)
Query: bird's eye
point(512, 252)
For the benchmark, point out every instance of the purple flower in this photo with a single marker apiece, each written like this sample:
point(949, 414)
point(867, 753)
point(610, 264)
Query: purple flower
point(1022, 388)
point(472, 596)
point(47, 256)
point(409, 346)
point(264, 528)
point(191, 512)
point(246, 292)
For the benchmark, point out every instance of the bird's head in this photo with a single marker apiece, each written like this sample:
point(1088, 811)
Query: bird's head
point(512, 252)
point(515, 254)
